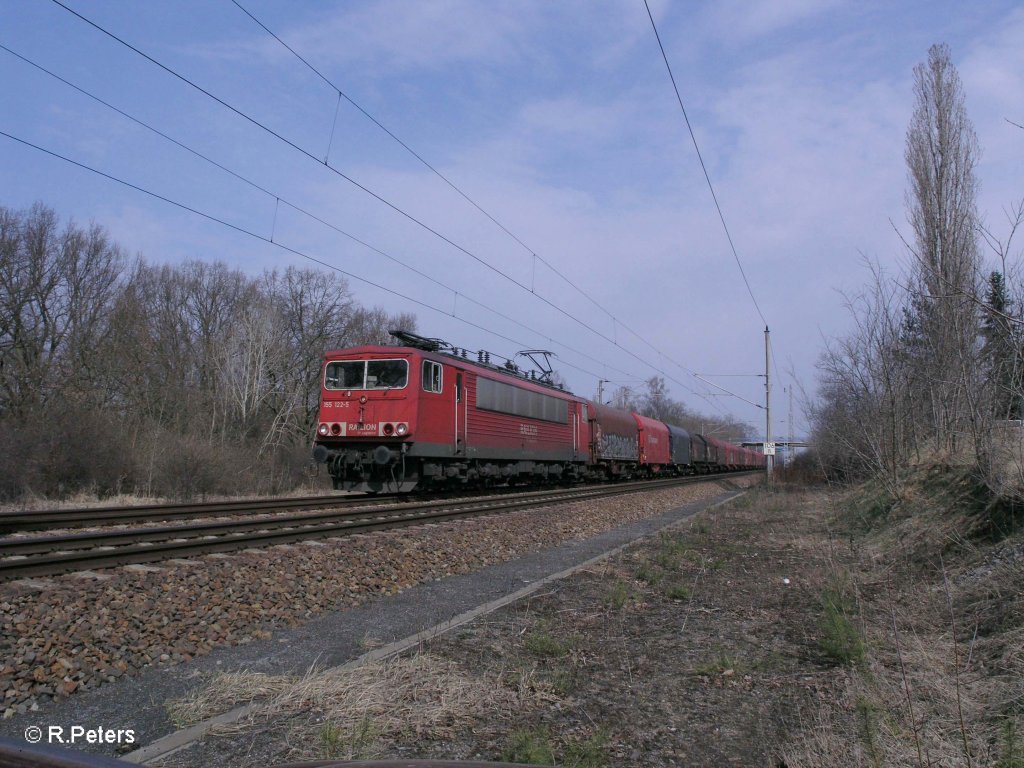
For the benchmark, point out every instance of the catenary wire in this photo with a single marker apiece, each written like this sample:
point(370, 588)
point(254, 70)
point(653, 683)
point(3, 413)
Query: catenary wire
point(703, 167)
point(279, 199)
point(343, 95)
point(270, 241)
point(453, 185)
point(383, 200)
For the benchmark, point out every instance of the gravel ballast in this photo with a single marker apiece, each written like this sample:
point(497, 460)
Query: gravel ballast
point(115, 646)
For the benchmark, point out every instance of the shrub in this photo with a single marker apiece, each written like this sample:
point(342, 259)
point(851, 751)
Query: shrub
point(540, 643)
point(529, 746)
point(617, 595)
point(187, 468)
point(678, 592)
point(648, 574)
point(58, 453)
point(839, 638)
point(590, 753)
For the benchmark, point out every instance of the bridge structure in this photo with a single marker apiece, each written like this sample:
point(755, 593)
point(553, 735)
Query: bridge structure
point(787, 448)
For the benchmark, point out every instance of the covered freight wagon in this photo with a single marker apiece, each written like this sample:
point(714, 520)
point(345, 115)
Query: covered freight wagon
point(655, 450)
point(679, 445)
point(614, 439)
point(700, 455)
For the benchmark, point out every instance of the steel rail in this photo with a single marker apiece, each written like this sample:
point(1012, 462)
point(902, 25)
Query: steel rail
point(36, 544)
point(83, 517)
point(87, 517)
point(126, 515)
point(152, 545)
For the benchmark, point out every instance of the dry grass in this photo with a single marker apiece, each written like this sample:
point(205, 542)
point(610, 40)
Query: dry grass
point(942, 611)
point(1006, 474)
point(225, 691)
point(346, 711)
point(87, 499)
point(80, 500)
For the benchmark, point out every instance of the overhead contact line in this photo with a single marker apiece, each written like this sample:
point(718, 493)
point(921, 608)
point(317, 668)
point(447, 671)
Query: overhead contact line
point(279, 199)
point(383, 200)
point(615, 320)
point(700, 157)
point(270, 241)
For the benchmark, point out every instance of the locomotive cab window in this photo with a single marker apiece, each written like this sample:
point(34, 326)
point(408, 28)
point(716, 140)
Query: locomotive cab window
point(345, 375)
point(431, 376)
point(366, 374)
point(386, 374)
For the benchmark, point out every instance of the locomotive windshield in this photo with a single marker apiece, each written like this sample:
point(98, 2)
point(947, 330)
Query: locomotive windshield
point(367, 374)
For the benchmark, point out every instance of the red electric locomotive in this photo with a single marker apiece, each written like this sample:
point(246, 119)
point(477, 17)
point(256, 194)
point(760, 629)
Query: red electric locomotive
point(396, 418)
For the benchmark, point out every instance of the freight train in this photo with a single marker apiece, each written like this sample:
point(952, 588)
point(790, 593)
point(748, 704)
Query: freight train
point(425, 415)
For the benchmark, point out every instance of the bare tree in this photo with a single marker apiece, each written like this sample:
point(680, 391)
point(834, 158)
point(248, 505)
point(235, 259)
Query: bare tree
point(863, 423)
point(187, 378)
point(315, 310)
point(657, 404)
point(931, 362)
point(253, 352)
point(56, 290)
point(625, 399)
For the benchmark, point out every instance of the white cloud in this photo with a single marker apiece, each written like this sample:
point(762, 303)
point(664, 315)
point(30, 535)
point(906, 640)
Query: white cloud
point(743, 20)
point(391, 36)
point(992, 72)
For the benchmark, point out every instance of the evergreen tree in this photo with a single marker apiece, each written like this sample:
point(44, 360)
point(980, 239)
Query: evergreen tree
point(1001, 350)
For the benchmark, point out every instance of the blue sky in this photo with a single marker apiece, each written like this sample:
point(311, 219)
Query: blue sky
point(558, 118)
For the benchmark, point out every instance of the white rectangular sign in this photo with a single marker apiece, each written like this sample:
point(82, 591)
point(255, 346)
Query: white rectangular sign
point(769, 449)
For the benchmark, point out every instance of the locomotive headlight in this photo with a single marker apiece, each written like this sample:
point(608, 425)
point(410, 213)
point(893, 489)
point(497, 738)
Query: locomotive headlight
point(323, 429)
point(402, 428)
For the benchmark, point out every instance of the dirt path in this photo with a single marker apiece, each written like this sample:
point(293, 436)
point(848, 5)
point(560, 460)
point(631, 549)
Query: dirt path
point(702, 646)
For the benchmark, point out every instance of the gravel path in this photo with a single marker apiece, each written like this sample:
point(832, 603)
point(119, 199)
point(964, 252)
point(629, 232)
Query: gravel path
point(112, 648)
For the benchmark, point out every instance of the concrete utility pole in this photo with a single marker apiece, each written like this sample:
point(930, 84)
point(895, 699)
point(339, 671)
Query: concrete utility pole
point(792, 439)
point(600, 390)
point(769, 459)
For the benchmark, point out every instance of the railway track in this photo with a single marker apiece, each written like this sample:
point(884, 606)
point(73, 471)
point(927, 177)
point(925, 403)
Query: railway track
point(23, 557)
point(11, 522)
point(92, 517)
